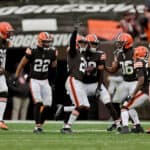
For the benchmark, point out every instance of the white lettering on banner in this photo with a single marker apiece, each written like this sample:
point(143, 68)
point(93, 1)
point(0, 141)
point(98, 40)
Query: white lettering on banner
point(65, 8)
point(61, 40)
point(29, 40)
point(123, 8)
point(7, 10)
point(82, 8)
point(46, 9)
point(27, 9)
point(17, 41)
point(86, 8)
point(108, 8)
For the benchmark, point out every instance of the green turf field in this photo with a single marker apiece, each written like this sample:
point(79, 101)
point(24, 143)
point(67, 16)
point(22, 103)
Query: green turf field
point(86, 136)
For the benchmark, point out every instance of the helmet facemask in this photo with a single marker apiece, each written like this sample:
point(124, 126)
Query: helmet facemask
point(93, 46)
point(82, 46)
point(46, 44)
point(119, 44)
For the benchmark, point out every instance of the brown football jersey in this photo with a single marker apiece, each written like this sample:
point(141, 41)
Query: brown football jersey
point(76, 65)
point(75, 60)
point(141, 69)
point(126, 64)
point(40, 61)
point(92, 74)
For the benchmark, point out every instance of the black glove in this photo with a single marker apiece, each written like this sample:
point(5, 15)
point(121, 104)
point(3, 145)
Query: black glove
point(14, 81)
point(128, 98)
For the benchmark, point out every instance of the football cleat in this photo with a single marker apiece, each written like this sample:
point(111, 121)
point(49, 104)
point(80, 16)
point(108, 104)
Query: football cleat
point(59, 111)
point(38, 130)
point(137, 129)
point(66, 130)
point(118, 128)
point(124, 130)
point(3, 125)
point(112, 127)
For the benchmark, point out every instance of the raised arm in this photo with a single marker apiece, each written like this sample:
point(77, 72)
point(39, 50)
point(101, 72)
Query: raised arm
point(72, 49)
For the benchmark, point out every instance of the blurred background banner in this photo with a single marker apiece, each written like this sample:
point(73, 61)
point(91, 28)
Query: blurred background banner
point(60, 16)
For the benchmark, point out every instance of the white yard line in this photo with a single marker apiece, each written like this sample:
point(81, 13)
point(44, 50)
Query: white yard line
point(58, 131)
point(61, 122)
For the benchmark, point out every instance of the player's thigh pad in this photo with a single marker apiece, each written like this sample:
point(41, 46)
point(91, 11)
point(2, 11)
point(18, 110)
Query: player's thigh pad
point(35, 90)
point(131, 86)
point(121, 93)
point(90, 88)
point(77, 92)
point(139, 101)
point(46, 92)
point(3, 85)
point(104, 95)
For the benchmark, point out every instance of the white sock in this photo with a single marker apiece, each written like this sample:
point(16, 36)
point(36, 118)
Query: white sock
point(124, 117)
point(68, 108)
point(66, 126)
point(73, 117)
point(134, 116)
point(2, 109)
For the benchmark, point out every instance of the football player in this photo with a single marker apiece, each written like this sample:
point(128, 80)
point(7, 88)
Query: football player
point(93, 78)
point(124, 59)
point(140, 57)
point(40, 58)
point(74, 83)
point(6, 33)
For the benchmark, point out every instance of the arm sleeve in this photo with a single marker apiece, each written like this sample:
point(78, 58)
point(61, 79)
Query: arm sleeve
point(54, 55)
point(72, 50)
